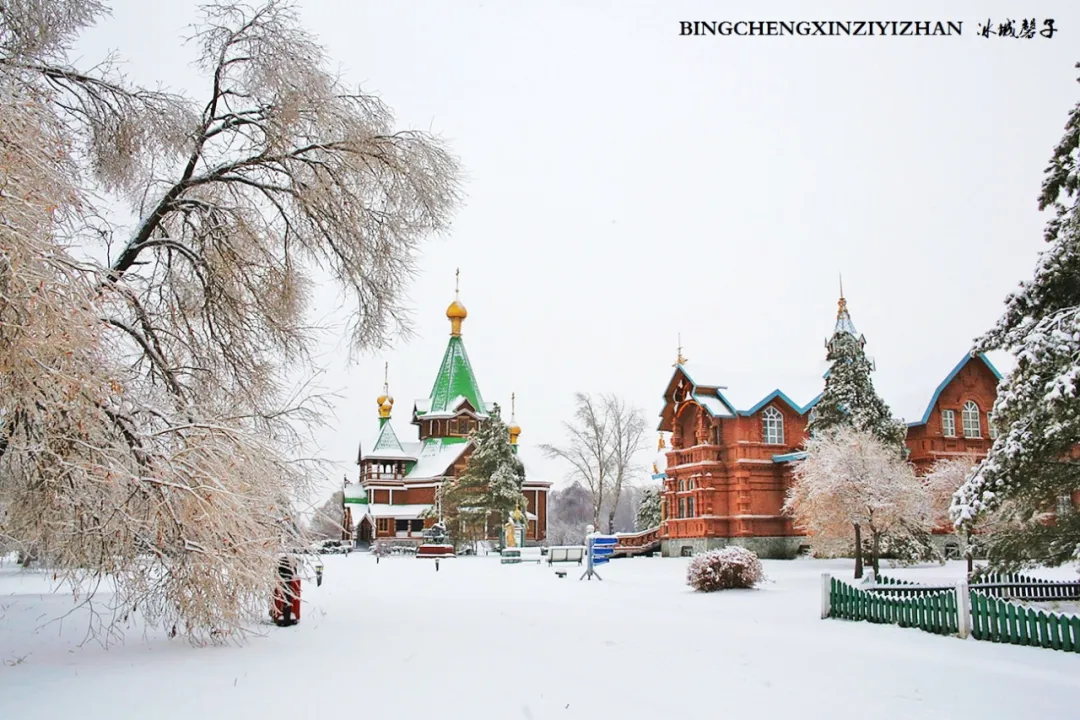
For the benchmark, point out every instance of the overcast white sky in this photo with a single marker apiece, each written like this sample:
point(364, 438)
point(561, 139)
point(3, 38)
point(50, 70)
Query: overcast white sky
point(625, 184)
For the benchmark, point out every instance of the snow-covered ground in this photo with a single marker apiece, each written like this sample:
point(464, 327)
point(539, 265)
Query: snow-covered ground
point(480, 640)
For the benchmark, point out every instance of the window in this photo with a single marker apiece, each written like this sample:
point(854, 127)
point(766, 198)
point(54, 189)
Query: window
point(383, 525)
point(970, 417)
point(948, 423)
point(992, 427)
point(682, 485)
point(772, 426)
point(682, 507)
point(689, 507)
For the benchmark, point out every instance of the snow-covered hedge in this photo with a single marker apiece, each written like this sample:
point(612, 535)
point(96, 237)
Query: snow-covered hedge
point(729, 567)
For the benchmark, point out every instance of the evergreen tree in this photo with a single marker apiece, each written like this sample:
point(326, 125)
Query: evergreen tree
point(1031, 466)
point(648, 512)
point(490, 487)
point(849, 399)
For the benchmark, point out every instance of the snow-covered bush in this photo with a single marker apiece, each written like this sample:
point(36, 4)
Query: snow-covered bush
point(729, 567)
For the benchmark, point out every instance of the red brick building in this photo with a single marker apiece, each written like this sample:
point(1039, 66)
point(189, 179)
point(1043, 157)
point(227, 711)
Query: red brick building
point(396, 496)
point(728, 469)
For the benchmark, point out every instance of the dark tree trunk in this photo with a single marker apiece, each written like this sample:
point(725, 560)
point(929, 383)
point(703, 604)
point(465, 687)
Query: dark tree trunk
point(858, 552)
point(971, 565)
point(611, 523)
point(876, 554)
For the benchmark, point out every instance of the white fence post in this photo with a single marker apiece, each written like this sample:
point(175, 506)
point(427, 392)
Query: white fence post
point(826, 588)
point(963, 609)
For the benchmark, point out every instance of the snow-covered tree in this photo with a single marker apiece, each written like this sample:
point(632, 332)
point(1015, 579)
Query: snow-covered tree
point(850, 486)
point(602, 448)
point(1032, 464)
point(570, 510)
point(849, 399)
point(326, 523)
point(648, 513)
point(490, 486)
point(148, 430)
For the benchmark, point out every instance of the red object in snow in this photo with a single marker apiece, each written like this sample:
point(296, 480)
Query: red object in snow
point(285, 608)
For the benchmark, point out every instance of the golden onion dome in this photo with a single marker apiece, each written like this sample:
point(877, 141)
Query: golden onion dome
point(456, 311)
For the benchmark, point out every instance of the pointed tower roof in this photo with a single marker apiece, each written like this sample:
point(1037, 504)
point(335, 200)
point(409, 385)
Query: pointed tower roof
point(843, 317)
point(455, 382)
point(386, 445)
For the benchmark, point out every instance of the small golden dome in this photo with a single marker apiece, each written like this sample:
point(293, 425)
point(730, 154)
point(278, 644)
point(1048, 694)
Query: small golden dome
point(381, 399)
point(456, 311)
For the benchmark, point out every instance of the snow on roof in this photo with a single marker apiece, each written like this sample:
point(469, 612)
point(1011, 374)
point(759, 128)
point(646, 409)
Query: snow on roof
point(387, 446)
point(354, 491)
point(400, 512)
point(436, 455)
point(713, 404)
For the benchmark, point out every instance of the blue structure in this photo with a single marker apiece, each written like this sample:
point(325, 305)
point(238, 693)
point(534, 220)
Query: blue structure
point(598, 551)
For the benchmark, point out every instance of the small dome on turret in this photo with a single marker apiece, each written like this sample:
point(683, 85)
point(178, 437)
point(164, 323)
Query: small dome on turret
point(456, 311)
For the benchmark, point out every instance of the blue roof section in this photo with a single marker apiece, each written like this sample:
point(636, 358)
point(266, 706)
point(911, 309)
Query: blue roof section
point(948, 379)
point(717, 388)
point(790, 457)
point(659, 476)
point(778, 393)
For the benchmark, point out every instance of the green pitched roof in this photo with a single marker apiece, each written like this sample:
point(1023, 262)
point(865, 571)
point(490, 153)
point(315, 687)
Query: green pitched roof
point(455, 379)
point(387, 444)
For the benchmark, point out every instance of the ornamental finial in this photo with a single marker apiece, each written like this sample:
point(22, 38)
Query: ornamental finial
point(515, 429)
point(456, 312)
point(385, 401)
point(680, 360)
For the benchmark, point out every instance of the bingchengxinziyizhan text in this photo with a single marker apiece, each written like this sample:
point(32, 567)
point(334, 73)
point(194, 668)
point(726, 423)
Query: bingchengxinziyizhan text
point(846, 28)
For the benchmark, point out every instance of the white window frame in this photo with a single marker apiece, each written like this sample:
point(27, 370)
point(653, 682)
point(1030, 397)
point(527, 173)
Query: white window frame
point(948, 423)
point(772, 426)
point(972, 423)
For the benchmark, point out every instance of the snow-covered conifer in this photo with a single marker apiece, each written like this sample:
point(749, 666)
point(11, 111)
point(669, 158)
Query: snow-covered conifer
point(648, 513)
point(1032, 464)
point(849, 399)
point(490, 485)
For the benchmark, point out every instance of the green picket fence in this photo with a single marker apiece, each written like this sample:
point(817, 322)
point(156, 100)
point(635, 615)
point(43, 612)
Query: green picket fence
point(1005, 622)
point(932, 610)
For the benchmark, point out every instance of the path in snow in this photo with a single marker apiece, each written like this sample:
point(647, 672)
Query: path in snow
point(480, 640)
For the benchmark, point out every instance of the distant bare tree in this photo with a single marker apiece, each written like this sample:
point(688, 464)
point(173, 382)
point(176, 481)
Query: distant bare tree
point(603, 440)
point(627, 426)
point(148, 432)
point(326, 524)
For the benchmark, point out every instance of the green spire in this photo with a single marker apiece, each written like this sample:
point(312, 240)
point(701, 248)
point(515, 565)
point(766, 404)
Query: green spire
point(455, 379)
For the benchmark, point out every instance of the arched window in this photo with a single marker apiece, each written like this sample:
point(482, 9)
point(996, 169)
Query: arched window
point(772, 426)
point(970, 417)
